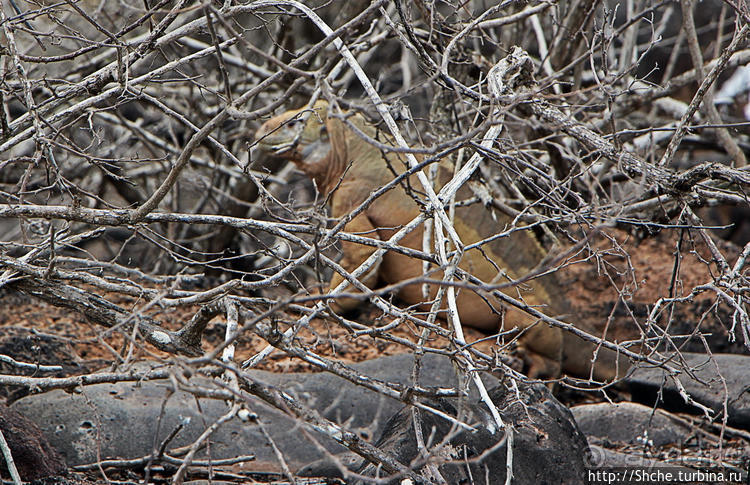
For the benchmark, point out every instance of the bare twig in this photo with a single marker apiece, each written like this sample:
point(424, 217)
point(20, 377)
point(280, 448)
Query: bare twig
point(9, 460)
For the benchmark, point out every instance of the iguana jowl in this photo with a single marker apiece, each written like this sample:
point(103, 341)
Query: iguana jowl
point(349, 168)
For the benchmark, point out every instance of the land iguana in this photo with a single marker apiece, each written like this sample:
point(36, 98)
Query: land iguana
point(348, 168)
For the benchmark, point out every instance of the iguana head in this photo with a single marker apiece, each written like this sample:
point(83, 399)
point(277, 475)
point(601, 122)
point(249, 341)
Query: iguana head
point(300, 135)
point(308, 138)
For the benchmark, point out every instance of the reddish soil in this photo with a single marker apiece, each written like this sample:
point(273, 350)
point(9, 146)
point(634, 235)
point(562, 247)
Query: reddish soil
point(612, 285)
point(624, 277)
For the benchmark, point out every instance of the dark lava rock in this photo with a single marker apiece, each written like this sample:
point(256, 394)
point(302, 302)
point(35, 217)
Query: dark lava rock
point(29, 347)
point(208, 482)
point(123, 420)
point(547, 445)
point(332, 467)
point(629, 423)
point(600, 457)
point(712, 373)
point(32, 454)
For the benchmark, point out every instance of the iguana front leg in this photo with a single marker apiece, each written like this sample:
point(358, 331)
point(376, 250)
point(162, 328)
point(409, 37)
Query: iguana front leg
point(354, 255)
point(541, 348)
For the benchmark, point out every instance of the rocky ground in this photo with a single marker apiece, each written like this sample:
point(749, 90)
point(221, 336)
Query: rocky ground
point(622, 425)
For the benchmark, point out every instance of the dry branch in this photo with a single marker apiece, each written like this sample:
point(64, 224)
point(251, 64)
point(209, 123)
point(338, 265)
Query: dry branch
point(123, 173)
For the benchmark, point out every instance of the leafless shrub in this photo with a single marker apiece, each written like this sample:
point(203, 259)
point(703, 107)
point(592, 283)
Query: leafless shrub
point(128, 165)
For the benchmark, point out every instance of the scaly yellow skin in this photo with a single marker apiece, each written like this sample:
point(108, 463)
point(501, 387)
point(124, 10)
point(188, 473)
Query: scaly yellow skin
point(349, 168)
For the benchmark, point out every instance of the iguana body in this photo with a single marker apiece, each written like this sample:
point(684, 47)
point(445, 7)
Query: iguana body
point(343, 164)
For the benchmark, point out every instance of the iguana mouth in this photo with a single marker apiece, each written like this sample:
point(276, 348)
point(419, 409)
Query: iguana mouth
point(278, 148)
point(297, 149)
point(282, 148)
